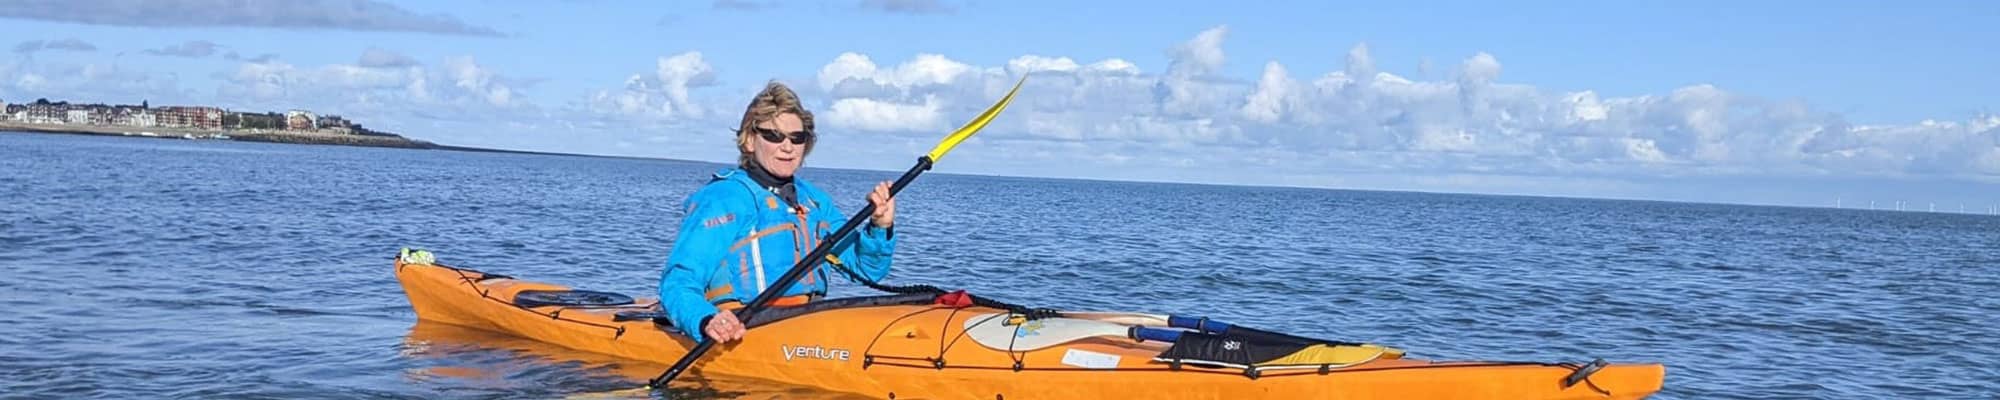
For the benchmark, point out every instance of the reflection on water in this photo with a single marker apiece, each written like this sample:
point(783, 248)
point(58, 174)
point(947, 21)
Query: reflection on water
point(460, 360)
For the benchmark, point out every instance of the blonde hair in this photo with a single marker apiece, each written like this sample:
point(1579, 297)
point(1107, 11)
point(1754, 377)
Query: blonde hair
point(776, 99)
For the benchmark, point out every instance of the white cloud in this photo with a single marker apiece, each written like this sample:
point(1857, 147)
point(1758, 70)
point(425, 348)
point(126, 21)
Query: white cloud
point(1191, 88)
point(65, 44)
point(1034, 63)
point(907, 6)
point(479, 82)
point(388, 89)
point(1115, 66)
point(190, 49)
point(1030, 64)
point(918, 94)
point(876, 115)
point(31, 82)
point(1273, 98)
point(1288, 125)
point(665, 95)
point(1198, 57)
point(87, 82)
point(264, 80)
point(924, 70)
point(1360, 118)
point(1359, 62)
point(358, 15)
point(845, 66)
point(1583, 106)
point(379, 58)
point(743, 5)
point(1481, 69)
point(681, 72)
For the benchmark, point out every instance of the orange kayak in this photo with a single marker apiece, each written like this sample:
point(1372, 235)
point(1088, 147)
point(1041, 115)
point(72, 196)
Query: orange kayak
point(910, 346)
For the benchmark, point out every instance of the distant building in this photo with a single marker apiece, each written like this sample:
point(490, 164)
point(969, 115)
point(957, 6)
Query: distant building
point(189, 117)
point(77, 116)
point(44, 113)
point(299, 120)
point(133, 116)
point(101, 115)
point(333, 122)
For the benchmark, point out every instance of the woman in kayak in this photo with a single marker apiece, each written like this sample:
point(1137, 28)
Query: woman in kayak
point(752, 222)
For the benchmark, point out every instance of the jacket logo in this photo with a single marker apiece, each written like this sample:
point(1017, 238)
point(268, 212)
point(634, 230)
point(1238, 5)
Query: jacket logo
point(718, 221)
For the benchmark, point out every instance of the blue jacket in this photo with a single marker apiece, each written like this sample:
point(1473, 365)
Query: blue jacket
point(737, 237)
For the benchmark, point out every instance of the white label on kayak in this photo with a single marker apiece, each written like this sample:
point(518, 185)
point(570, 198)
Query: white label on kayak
point(813, 353)
point(1090, 359)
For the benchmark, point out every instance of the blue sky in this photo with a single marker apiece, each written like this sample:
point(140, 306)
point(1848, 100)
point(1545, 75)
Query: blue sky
point(1663, 100)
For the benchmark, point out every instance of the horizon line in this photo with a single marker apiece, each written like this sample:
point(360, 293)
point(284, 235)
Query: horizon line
point(1835, 206)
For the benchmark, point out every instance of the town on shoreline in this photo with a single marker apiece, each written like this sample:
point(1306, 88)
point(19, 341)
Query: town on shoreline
point(195, 122)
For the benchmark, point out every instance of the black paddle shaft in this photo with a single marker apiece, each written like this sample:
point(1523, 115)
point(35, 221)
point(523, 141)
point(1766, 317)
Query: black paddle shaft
point(791, 276)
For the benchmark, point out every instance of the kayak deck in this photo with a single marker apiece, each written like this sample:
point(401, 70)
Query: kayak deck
point(921, 351)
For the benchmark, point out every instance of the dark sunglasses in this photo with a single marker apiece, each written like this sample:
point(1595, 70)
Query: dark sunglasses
point(772, 135)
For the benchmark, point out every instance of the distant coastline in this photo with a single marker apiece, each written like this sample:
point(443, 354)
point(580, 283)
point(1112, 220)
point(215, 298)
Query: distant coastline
point(247, 135)
point(195, 122)
point(269, 136)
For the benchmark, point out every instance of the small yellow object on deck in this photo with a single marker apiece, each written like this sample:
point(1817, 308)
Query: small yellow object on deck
point(1321, 354)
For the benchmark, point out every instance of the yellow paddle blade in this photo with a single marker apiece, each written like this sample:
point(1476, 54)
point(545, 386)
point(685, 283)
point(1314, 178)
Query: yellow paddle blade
point(975, 125)
point(1335, 355)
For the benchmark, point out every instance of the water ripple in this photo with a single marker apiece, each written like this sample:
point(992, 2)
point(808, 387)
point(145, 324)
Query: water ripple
point(220, 269)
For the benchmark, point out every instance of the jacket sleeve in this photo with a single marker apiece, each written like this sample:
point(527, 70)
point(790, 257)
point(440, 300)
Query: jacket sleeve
point(866, 252)
point(711, 224)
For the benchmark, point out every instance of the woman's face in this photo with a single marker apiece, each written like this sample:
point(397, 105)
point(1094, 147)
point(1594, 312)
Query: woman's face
point(783, 157)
